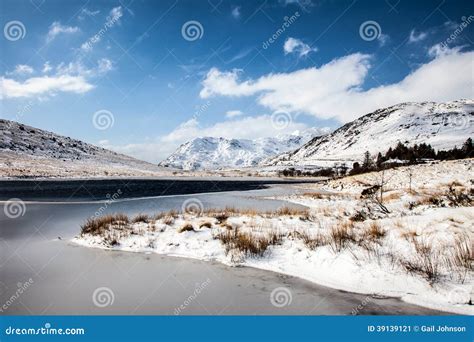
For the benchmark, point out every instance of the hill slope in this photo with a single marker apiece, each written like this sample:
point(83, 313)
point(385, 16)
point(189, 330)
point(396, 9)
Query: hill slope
point(443, 125)
point(26, 151)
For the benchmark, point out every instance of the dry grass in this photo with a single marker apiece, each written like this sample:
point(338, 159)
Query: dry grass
point(171, 213)
point(249, 244)
point(313, 241)
point(141, 218)
point(187, 227)
point(315, 195)
point(325, 211)
point(341, 236)
point(206, 224)
point(375, 232)
point(98, 225)
point(461, 257)
point(288, 211)
point(427, 261)
point(455, 195)
point(409, 234)
point(393, 196)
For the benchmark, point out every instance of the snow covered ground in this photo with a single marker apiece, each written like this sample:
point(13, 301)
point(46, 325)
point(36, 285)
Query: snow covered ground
point(415, 243)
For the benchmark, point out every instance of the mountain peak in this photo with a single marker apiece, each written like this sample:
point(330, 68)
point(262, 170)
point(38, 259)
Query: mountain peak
point(219, 152)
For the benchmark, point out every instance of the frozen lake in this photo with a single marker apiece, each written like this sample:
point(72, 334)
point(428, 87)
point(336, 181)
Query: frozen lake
point(64, 276)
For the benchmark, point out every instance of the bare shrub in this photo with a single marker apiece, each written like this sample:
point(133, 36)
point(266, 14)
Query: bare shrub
point(427, 261)
point(459, 197)
point(461, 257)
point(341, 236)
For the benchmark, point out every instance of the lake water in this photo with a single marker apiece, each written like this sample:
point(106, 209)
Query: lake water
point(64, 276)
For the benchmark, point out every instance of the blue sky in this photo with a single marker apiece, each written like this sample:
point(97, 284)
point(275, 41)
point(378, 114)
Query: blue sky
point(128, 75)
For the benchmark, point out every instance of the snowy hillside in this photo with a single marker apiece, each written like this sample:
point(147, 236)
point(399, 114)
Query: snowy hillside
point(210, 153)
point(443, 125)
point(28, 151)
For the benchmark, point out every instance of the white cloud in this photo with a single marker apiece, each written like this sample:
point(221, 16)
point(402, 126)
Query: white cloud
point(70, 78)
point(439, 50)
point(56, 28)
point(103, 66)
point(335, 90)
point(47, 67)
point(236, 12)
point(243, 128)
point(233, 113)
point(113, 18)
point(416, 37)
point(294, 45)
point(114, 15)
point(302, 3)
point(37, 86)
point(87, 12)
point(21, 69)
point(383, 39)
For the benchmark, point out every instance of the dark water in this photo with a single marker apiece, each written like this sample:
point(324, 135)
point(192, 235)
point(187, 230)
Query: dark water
point(64, 276)
point(102, 189)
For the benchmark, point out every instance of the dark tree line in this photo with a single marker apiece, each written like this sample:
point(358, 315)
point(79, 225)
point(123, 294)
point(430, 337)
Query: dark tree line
point(415, 154)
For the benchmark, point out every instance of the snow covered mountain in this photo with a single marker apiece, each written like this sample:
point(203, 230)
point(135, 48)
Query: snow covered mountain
point(209, 153)
point(28, 151)
point(443, 125)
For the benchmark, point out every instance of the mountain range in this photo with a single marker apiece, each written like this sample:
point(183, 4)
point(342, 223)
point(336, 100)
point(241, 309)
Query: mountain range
point(212, 153)
point(30, 152)
point(442, 125)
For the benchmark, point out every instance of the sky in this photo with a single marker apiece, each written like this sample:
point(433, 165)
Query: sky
point(142, 77)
